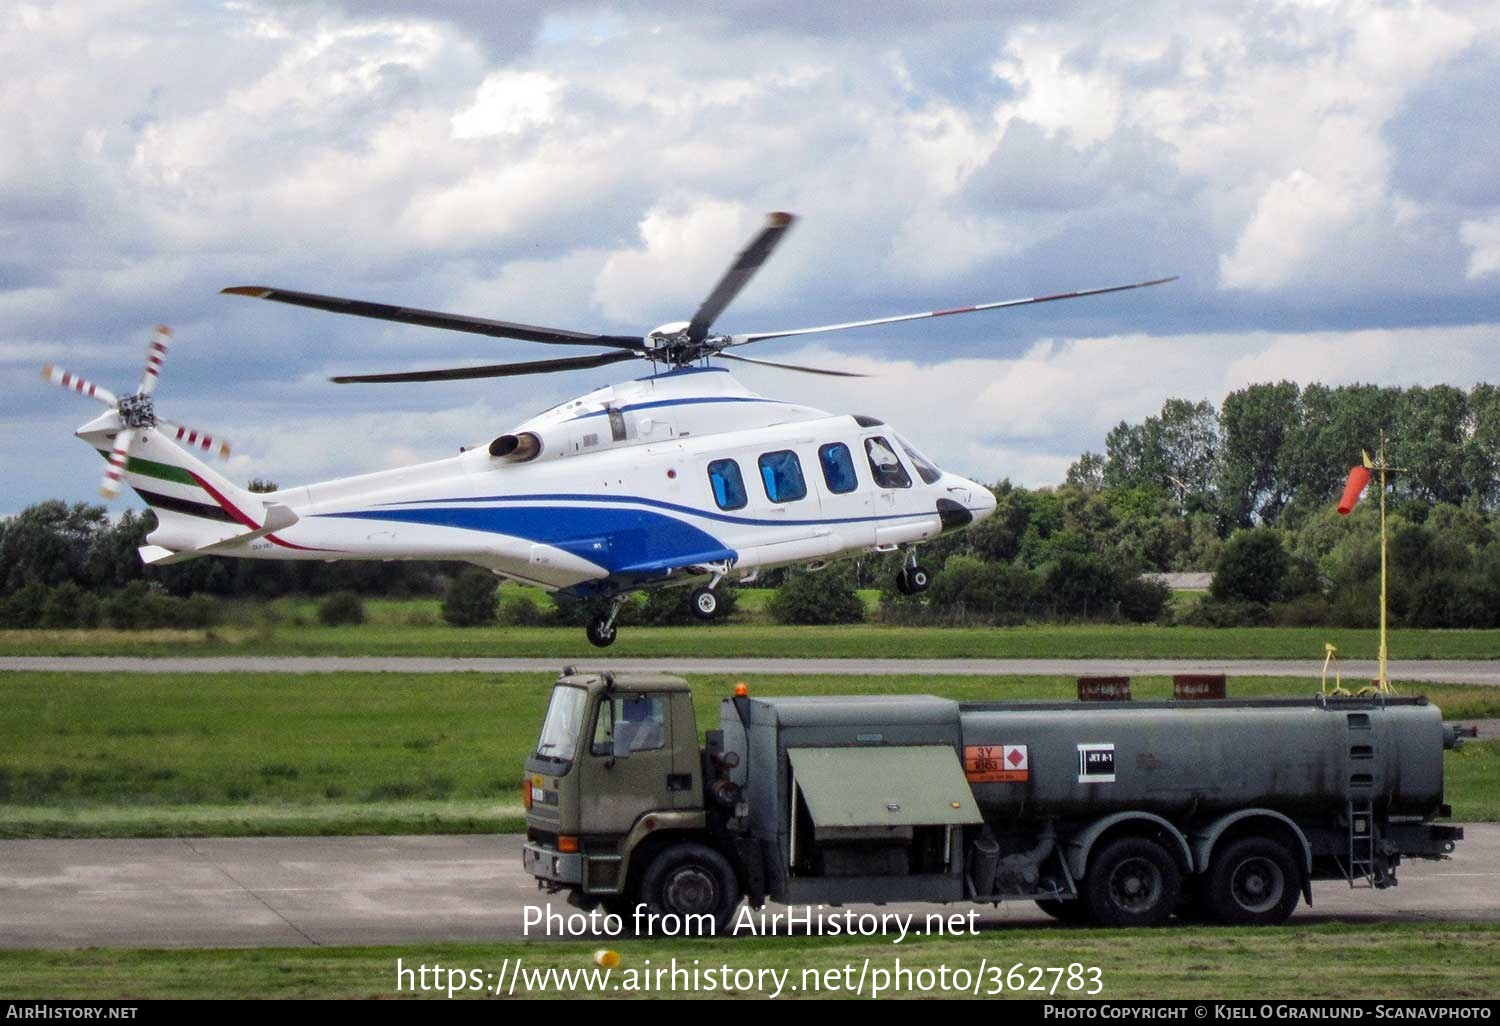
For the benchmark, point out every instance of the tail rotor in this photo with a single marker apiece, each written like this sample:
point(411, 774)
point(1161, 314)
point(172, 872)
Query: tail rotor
point(135, 413)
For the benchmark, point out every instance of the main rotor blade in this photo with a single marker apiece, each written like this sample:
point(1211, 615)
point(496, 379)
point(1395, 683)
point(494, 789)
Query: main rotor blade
point(436, 319)
point(498, 370)
point(73, 383)
point(745, 339)
point(793, 367)
point(739, 274)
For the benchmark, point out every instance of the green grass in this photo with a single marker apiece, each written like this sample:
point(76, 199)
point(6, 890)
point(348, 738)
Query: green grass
point(240, 753)
point(731, 640)
point(1336, 960)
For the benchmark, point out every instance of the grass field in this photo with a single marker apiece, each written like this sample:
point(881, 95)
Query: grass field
point(236, 754)
point(1335, 960)
point(404, 629)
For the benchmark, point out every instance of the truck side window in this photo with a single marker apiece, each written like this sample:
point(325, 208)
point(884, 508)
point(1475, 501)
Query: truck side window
point(887, 469)
point(630, 723)
point(728, 485)
point(838, 468)
point(782, 474)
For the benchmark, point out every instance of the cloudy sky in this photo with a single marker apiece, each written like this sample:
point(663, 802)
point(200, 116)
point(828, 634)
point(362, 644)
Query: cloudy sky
point(1322, 175)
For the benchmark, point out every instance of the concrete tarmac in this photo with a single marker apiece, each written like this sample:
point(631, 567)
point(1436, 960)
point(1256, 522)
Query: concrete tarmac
point(299, 891)
point(1451, 671)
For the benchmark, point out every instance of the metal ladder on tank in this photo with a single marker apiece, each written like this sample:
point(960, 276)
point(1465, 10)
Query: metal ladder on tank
point(1361, 869)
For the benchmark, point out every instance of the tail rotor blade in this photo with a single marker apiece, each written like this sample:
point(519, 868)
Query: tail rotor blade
point(73, 383)
point(195, 439)
point(119, 458)
point(156, 352)
point(739, 274)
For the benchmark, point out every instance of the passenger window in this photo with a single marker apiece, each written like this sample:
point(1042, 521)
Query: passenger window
point(838, 468)
point(630, 723)
point(886, 468)
point(782, 474)
point(728, 485)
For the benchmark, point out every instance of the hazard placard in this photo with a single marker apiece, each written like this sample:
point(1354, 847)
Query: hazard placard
point(996, 764)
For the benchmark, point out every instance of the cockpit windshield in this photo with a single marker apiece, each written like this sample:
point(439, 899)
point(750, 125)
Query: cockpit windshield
point(561, 728)
point(926, 469)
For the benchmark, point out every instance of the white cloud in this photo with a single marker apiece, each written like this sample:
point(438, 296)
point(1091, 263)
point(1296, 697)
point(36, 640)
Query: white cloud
point(508, 103)
point(1482, 236)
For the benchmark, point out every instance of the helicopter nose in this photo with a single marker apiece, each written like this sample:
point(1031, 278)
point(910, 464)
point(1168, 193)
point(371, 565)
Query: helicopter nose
point(966, 503)
point(981, 502)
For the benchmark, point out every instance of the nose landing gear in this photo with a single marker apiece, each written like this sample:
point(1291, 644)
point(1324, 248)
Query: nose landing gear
point(913, 578)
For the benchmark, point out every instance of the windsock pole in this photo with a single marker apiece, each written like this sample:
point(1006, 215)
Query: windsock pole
point(1384, 682)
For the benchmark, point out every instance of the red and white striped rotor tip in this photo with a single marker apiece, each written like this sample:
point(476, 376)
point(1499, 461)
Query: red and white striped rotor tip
point(73, 383)
point(156, 352)
point(119, 458)
point(197, 439)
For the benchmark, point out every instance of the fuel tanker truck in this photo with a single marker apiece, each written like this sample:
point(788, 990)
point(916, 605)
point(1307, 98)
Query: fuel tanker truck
point(1119, 814)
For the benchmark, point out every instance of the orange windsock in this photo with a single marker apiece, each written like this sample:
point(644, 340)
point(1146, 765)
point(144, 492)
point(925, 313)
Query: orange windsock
point(1353, 488)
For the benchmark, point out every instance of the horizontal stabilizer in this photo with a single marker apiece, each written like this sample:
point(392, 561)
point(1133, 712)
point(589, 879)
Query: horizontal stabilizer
point(277, 518)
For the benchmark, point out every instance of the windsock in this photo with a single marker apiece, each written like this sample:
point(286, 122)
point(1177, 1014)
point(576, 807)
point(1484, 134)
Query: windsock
point(1359, 477)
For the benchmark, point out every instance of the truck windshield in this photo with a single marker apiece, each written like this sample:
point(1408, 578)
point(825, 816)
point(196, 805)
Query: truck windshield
point(560, 729)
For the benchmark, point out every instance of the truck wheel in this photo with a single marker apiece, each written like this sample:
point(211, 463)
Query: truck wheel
point(1255, 882)
point(1132, 882)
point(1074, 911)
point(692, 879)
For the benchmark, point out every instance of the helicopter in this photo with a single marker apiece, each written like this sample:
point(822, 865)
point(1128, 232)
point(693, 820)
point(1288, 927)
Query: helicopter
point(680, 477)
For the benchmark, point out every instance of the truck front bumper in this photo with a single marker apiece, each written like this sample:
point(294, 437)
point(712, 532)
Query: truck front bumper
point(551, 865)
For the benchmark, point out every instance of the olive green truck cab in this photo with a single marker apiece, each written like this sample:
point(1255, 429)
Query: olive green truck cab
point(1115, 813)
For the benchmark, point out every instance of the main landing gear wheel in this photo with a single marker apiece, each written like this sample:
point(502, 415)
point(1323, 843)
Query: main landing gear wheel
point(601, 631)
point(913, 580)
point(705, 604)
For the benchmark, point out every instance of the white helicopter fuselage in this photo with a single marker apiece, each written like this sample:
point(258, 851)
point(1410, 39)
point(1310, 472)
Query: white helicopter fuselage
point(655, 481)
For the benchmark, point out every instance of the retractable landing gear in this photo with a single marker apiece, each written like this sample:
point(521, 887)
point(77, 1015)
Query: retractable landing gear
point(913, 578)
point(601, 629)
point(705, 603)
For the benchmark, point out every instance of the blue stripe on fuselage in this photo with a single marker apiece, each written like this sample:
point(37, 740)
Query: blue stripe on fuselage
point(672, 506)
point(622, 541)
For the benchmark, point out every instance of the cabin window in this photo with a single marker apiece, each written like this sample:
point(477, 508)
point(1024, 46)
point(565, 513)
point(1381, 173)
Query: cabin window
point(838, 468)
point(886, 468)
point(728, 485)
point(630, 723)
point(782, 474)
point(925, 468)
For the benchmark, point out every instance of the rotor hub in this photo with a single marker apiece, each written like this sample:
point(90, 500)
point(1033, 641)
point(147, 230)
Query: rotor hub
point(137, 411)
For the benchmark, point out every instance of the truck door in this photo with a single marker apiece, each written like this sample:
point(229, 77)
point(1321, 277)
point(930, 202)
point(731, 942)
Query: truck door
point(628, 768)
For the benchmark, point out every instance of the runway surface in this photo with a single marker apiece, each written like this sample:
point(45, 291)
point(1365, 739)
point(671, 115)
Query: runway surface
point(266, 891)
point(1453, 671)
